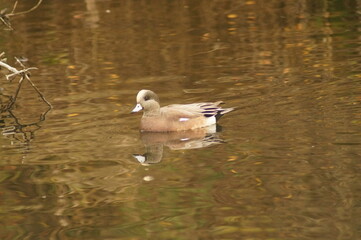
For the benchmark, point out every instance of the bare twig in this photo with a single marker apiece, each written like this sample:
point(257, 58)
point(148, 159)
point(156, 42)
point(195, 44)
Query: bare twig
point(14, 70)
point(5, 17)
point(24, 74)
point(24, 71)
point(38, 91)
point(8, 67)
point(5, 20)
point(13, 99)
point(27, 11)
point(14, 7)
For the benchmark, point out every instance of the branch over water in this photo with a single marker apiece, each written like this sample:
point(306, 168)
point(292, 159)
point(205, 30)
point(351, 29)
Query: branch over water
point(5, 17)
point(24, 74)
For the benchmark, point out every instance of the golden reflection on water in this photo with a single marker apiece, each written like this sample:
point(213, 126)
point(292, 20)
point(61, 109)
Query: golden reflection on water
point(287, 167)
point(191, 139)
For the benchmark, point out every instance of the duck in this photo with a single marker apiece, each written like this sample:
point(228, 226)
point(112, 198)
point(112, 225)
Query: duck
point(175, 117)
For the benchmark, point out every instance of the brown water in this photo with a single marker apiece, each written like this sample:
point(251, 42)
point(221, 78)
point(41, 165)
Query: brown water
point(288, 165)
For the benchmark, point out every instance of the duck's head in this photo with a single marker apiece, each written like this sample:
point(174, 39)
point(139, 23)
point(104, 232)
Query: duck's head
point(148, 101)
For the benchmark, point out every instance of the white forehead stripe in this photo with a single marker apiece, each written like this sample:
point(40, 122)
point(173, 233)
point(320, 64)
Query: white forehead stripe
point(183, 119)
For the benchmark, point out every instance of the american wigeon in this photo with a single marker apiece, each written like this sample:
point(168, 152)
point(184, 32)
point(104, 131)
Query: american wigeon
point(176, 117)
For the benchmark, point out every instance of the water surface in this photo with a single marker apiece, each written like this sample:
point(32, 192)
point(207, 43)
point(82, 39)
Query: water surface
point(286, 164)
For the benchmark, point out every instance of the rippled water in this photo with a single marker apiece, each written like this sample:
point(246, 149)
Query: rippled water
point(285, 165)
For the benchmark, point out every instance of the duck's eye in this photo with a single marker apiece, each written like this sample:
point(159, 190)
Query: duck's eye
point(146, 98)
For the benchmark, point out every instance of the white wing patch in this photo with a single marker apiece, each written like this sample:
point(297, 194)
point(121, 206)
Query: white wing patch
point(210, 121)
point(183, 119)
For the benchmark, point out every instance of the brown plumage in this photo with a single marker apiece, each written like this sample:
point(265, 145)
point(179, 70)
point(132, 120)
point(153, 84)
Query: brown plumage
point(176, 117)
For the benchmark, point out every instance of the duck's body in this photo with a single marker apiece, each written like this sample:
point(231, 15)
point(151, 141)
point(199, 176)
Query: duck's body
point(176, 117)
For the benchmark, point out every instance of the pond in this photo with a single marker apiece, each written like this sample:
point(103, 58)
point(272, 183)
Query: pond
point(285, 164)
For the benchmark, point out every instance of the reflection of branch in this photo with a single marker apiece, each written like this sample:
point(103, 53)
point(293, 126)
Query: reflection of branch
point(26, 131)
point(19, 131)
point(4, 17)
point(19, 128)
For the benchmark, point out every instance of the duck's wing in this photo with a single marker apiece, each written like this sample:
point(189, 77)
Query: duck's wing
point(207, 109)
point(181, 112)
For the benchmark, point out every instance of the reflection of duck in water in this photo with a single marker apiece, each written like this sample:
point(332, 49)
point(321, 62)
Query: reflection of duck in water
point(191, 139)
point(176, 117)
point(178, 126)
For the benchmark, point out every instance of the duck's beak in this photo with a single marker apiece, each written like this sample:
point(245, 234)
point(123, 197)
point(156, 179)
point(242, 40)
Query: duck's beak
point(137, 108)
